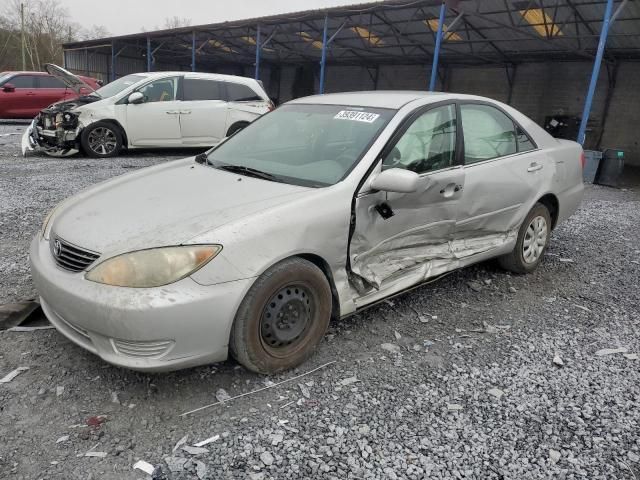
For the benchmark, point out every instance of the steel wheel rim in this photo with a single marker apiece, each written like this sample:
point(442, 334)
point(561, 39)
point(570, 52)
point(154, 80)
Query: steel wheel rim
point(102, 140)
point(535, 239)
point(285, 320)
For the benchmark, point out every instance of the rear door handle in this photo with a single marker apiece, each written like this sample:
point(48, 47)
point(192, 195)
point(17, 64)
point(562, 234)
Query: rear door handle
point(173, 112)
point(534, 167)
point(185, 112)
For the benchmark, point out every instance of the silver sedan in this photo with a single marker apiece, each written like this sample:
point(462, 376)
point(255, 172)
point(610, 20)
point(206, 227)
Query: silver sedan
point(323, 207)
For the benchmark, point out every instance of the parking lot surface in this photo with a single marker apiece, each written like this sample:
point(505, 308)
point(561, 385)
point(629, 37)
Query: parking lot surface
point(482, 374)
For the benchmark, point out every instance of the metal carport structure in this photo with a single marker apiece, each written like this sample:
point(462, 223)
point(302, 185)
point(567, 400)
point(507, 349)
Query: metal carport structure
point(437, 34)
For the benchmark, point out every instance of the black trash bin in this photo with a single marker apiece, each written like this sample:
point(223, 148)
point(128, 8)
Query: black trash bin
point(611, 167)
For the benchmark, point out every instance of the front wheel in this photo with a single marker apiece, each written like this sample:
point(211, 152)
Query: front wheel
point(101, 140)
point(282, 318)
point(533, 240)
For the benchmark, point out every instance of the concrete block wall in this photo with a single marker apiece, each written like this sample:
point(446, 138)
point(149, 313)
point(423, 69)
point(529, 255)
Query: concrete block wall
point(540, 89)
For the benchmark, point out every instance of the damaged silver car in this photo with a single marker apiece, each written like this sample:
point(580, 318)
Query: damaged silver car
point(145, 110)
point(323, 207)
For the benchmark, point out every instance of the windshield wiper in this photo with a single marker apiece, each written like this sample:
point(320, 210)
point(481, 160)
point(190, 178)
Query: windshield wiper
point(249, 172)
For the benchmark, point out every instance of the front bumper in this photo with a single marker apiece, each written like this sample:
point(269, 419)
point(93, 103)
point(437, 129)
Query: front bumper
point(31, 142)
point(148, 329)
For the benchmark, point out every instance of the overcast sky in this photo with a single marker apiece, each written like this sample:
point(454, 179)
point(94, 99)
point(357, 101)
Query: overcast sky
point(131, 16)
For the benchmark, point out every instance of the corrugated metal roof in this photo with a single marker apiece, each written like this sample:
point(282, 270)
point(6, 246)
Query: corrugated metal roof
point(487, 31)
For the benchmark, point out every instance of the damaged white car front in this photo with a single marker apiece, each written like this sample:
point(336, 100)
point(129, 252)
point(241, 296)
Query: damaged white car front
point(56, 129)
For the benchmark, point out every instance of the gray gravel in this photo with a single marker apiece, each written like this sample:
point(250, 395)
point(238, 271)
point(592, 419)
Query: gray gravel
point(481, 375)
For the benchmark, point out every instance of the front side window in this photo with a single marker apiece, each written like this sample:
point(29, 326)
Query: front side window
point(488, 133)
point(428, 144)
point(200, 89)
point(241, 93)
point(162, 90)
point(312, 145)
point(119, 85)
point(23, 81)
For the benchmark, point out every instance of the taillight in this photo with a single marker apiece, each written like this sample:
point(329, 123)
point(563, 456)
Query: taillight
point(271, 106)
point(582, 159)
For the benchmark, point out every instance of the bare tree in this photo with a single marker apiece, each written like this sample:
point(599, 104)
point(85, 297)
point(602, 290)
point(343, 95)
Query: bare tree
point(47, 26)
point(175, 22)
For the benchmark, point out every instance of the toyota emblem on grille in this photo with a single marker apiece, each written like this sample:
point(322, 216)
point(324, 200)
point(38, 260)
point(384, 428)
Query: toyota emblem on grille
point(57, 248)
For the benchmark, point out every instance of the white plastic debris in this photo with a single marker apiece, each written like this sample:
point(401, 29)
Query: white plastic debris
point(63, 438)
point(11, 375)
point(454, 407)
point(194, 450)
point(611, 351)
point(558, 361)
point(143, 466)
point(180, 442)
point(222, 395)
point(496, 392)
point(304, 390)
point(207, 441)
point(397, 335)
point(96, 454)
point(631, 356)
point(348, 381)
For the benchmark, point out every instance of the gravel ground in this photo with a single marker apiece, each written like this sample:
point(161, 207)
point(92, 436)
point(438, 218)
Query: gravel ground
point(481, 375)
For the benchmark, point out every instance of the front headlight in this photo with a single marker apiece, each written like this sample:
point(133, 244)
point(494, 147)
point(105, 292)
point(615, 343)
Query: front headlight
point(154, 267)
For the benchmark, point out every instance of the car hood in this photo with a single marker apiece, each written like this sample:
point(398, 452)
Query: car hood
point(164, 205)
point(69, 79)
point(73, 104)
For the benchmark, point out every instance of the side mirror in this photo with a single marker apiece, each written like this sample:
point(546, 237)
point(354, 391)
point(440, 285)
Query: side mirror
point(396, 180)
point(9, 87)
point(136, 97)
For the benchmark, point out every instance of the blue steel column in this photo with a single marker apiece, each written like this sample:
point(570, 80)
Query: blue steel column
point(193, 51)
point(323, 59)
point(596, 72)
point(258, 47)
point(436, 52)
point(148, 54)
point(113, 61)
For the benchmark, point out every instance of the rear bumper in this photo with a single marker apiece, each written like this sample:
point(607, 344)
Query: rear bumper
point(569, 201)
point(153, 329)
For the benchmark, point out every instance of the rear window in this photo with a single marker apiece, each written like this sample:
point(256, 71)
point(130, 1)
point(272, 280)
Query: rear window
point(241, 93)
point(23, 81)
point(200, 89)
point(50, 82)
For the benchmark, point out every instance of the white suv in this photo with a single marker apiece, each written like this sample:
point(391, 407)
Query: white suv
point(157, 109)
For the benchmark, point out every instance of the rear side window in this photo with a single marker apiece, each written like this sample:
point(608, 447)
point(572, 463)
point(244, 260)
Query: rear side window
point(524, 142)
point(50, 82)
point(488, 133)
point(241, 93)
point(23, 81)
point(200, 89)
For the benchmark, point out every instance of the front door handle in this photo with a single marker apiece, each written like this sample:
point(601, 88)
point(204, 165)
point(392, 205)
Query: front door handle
point(172, 112)
point(450, 189)
point(534, 167)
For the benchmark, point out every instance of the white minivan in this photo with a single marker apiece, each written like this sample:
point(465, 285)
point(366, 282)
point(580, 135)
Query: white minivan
point(146, 110)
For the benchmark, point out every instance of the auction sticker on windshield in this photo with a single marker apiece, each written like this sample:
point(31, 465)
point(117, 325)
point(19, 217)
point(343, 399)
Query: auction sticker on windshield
point(366, 117)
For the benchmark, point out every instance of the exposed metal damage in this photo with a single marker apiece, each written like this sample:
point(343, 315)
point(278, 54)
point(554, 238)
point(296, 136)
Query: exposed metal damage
point(416, 250)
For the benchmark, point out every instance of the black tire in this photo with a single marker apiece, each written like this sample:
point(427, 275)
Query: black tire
point(236, 127)
point(516, 261)
point(101, 140)
point(292, 297)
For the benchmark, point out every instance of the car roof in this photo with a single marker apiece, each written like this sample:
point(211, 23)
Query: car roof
point(212, 76)
point(392, 99)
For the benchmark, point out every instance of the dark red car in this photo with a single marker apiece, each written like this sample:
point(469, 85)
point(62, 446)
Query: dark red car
point(24, 94)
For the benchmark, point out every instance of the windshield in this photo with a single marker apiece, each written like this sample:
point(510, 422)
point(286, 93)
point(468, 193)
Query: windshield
point(314, 145)
point(117, 86)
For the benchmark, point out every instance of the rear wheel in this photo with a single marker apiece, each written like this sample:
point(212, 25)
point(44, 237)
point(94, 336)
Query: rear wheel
point(282, 318)
point(533, 240)
point(101, 140)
